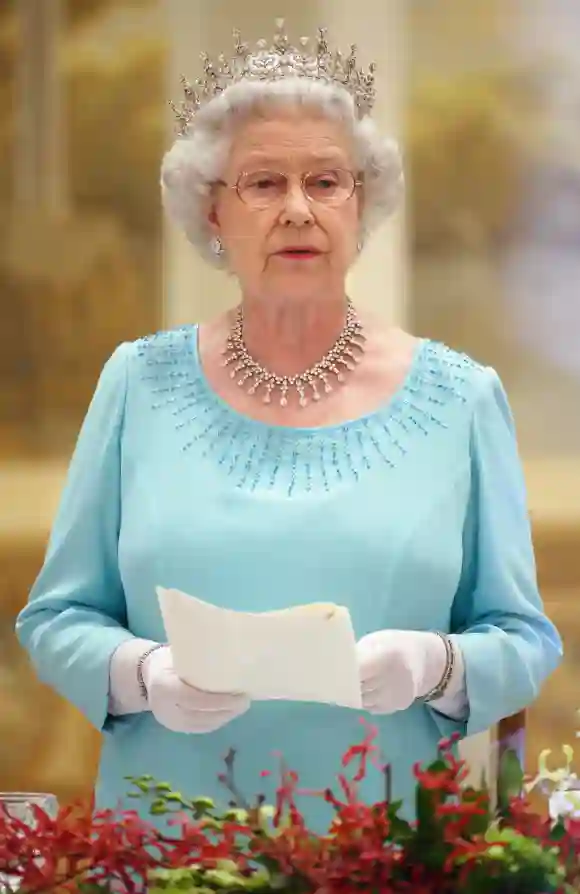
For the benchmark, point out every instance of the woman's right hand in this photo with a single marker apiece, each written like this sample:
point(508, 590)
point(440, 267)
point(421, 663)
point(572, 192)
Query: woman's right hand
point(182, 708)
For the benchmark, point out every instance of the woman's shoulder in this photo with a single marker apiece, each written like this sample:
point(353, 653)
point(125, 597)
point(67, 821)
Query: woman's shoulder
point(158, 345)
point(159, 363)
point(435, 370)
point(445, 378)
point(156, 352)
point(450, 363)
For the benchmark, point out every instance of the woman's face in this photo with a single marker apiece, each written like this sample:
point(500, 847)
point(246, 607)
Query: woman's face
point(263, 224)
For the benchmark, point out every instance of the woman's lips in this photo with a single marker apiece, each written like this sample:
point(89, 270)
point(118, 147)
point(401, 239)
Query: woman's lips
point(299, 254)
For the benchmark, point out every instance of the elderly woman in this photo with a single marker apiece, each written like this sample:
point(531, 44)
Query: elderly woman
point(293, 450)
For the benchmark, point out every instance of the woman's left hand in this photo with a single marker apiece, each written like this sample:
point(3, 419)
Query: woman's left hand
point(397, 667)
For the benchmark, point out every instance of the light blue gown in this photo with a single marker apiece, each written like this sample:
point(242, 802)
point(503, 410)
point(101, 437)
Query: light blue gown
point(414, 517)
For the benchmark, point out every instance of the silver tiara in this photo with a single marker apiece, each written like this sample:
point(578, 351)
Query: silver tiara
point(312, 60)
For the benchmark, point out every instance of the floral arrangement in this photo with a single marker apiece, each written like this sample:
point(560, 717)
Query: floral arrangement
point(561, 786)
point(456, 844)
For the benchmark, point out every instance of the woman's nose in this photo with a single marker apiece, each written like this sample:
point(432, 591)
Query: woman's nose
point(296, 209)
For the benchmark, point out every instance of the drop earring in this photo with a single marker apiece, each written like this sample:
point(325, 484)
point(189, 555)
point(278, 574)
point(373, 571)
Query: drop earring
point(217, 247)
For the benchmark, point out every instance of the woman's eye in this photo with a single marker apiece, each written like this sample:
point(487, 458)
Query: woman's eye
point(327, 181)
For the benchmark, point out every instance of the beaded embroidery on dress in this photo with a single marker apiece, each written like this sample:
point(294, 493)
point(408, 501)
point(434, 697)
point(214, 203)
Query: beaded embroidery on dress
point(258, 456)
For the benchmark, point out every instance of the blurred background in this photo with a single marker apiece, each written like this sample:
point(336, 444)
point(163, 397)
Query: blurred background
point(484, 96)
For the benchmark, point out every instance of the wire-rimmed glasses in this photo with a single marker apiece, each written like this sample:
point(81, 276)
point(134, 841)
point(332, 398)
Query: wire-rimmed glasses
point(20, 805)
point(261, 189)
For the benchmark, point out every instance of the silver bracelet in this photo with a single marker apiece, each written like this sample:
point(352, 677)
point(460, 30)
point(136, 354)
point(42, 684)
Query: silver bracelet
point(140, 665)
point(439, 690)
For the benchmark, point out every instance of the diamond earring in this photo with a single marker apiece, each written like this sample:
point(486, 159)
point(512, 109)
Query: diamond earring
point(217, 247)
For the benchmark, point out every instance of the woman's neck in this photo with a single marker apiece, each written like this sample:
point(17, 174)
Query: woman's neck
point(290, 337)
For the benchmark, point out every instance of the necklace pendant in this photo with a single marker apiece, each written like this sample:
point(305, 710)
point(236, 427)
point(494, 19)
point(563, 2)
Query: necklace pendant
point(326, 384)
point(283, 384)
point(236, 369)
point(258, 380)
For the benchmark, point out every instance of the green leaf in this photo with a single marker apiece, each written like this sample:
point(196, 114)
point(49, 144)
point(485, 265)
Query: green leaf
point(478, 823)
point(158, 807)
point(510, 781)
point(221, 878)
point(236, 815)
point(437, 766)
point(143, 785)
point(163, 787)
point(559, 831)
point(427, 843)
point(91, 888)
point(203, 804)
point(211, 822)
point(425, 807)
point(400, 830)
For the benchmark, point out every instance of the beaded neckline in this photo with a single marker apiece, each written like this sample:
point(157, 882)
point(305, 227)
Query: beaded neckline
point(289, 460)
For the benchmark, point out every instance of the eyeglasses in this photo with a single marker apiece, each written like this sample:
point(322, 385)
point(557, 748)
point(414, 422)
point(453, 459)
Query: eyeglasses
point(261, 189)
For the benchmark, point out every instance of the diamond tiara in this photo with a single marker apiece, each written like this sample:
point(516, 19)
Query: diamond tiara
point(272, 63)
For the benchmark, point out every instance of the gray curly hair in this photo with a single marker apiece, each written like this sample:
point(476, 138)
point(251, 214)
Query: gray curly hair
point(197, 159)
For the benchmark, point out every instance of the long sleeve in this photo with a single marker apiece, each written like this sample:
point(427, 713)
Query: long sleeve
point(76, 615)
point(508, 644)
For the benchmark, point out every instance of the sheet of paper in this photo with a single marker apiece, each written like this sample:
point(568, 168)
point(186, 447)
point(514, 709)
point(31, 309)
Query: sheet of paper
point(304, 653)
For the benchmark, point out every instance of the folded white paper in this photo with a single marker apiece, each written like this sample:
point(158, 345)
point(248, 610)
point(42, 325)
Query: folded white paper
point(304, 653)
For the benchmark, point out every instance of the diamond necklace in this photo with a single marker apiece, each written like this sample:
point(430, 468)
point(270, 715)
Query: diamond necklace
point(313, 383)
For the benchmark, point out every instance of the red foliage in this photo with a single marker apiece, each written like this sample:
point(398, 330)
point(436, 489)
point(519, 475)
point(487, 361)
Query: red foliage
point(367, 847)
point(61, 851)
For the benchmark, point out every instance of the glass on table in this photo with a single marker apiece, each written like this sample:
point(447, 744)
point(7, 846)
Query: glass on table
point(21, 806)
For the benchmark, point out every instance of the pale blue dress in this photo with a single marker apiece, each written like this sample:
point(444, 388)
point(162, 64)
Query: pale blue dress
point(413, 516)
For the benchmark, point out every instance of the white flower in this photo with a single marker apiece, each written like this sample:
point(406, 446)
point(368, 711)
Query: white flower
point(564, 802)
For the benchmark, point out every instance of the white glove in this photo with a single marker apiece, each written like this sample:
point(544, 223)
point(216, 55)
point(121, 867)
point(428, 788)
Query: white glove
point(180, 707)
point(397, 667)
